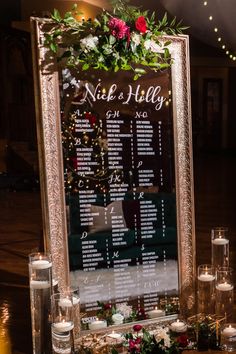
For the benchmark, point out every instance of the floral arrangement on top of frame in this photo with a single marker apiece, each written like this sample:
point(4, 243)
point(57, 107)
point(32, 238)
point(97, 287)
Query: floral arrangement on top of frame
point(125, 39)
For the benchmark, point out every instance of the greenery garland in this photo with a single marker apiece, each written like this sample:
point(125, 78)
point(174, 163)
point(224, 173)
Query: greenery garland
point(125, 39)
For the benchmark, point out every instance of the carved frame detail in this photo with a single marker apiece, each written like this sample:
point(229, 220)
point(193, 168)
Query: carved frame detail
point(51, 166)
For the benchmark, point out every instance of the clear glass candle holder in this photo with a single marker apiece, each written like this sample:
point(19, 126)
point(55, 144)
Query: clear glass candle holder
point(62, 323)
point(228, 337)
point(219, 247)
point(206, 289)
point(178, 327)
point(76, 311)
point(225, 293)
point(40, 282)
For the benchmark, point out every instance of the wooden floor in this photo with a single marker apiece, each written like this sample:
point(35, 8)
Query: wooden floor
point(20, 229)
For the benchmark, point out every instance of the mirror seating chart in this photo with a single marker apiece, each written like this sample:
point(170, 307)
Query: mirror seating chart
point(117, 137)
point(117, 184)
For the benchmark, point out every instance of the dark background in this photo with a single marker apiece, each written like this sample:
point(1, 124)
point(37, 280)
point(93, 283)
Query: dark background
point(213, 82)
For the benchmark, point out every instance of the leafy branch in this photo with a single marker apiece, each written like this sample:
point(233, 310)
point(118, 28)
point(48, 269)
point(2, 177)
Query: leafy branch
point(125, 39)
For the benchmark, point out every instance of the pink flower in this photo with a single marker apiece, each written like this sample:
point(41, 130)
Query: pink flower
point(134, 345)
point(141, 24)
point(118, 28)
point(137, 328)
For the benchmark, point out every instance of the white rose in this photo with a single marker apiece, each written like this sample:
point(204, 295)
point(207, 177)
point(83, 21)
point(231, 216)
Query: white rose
point(136, 38)
point(149, 44)
point(90, 42)
point(117, 318)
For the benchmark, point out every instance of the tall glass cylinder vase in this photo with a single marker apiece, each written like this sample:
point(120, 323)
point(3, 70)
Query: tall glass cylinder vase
point(40, 278)
point(206, 289)
point(225, 293)
point(76, 312)
point(62, 323)
point(219, 247)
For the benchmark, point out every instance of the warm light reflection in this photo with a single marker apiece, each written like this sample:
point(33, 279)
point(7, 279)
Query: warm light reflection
point(5, 313)
point(5, 345)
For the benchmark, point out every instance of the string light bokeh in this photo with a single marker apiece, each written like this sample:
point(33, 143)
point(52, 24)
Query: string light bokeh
point(219, 37)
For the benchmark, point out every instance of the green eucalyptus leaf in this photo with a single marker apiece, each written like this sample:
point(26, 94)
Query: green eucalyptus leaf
point(53, 47)
point(68, 14)
point(167, 43)
point(112, 39)
point(140, 71)
point(97, 22)
point(173, 22)
point(56, 15)
point(85, 66)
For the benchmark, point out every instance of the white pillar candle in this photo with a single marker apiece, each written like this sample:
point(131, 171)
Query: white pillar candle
point(98, 324)
point(224, 286)
point(220, 241)
point(40, 264)
point(229, 331)
point(178, 326)
point(39, 284)
point(65, 302)
point(114, 335)
point(155, 313)
point(64, 326)
point(206, 277)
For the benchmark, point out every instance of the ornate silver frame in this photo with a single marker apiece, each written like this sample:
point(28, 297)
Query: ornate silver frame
point(51, 167)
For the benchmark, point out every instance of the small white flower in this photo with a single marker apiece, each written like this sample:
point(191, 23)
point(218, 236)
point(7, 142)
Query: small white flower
point(124, 309)
point(149, 44)
point(136, 38)
point(163, 334)
point(90, 42)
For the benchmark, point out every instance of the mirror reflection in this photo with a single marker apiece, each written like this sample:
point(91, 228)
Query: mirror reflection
point(117, 137)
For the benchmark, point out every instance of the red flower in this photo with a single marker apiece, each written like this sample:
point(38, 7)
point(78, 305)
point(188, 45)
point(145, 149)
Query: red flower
point(141, 24)
point(74, 162)
point(137, 328)
point(182, 340)
point(141, 314)
point(134, 345)
point(107, 306)
point(91, 117)
point(118, 28)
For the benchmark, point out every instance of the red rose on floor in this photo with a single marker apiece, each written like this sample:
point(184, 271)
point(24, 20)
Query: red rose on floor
point(141, 24)
point(183, 341)
point(118, 28)
point(137, 328)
